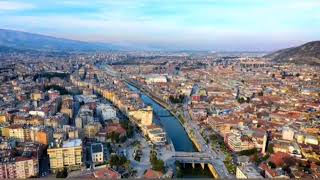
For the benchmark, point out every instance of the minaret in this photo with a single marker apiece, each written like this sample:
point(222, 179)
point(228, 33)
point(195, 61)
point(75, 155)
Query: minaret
point(238, 92)
point(264, 144)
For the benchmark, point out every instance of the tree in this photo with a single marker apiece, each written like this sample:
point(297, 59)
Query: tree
point(289, 161)
point(117, 161)
point(128, 127)
point(270, 149)
point(260, 93)
point(248, 152)
point(115, 137)
point(272, 165)
point(62, 174)
point(157, 164)
point(241, 100)
point(123, 139)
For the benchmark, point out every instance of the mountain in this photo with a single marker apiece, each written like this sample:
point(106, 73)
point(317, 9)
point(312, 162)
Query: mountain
point(18, 40)
point(308, 53)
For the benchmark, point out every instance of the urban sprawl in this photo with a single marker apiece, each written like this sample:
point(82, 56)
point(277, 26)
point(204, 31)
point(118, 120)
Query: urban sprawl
point(120, 115)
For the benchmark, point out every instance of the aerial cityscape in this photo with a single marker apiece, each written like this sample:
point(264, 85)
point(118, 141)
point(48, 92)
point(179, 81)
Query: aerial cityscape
point(159, 89)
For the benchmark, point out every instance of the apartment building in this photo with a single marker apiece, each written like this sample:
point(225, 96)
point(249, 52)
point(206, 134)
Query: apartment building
point(26, 167)
point(68, 155)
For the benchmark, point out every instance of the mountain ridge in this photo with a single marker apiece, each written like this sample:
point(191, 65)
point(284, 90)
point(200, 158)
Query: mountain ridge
point(31, 41)
point(308, 53)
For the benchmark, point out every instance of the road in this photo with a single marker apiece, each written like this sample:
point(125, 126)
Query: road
point(194, 128)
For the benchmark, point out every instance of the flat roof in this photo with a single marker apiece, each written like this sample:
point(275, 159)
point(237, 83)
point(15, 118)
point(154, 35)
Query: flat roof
point(72, 143)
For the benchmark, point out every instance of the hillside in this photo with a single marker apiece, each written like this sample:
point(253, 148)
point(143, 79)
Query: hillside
point(308, 53)
point(28, 41)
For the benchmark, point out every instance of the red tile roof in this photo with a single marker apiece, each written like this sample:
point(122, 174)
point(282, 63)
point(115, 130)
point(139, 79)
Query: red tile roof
point(152, 174)
point(106, 173)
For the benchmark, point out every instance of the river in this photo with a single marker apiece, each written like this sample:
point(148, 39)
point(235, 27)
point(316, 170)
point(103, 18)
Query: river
point(176, 133)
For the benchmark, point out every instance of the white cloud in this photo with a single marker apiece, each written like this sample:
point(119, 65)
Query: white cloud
point(14, 6)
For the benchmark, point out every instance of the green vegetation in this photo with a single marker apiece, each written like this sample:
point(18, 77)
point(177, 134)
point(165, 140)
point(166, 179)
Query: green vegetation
point(260, 93)
point(179, 173)
point(242, 100)
point(272, 165)
point(115, 137)
point(177, 99)
point(117, 161)
point(62, 173)
point(248, 152)
point(229, 164)
point(218, 141)
point(157, 164)
point(62, 90)
point(270, 149)
point(181, 118)
point(128, 127)
point(50, 75)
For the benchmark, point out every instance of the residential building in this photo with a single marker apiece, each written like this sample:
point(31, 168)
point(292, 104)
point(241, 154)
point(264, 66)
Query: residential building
point(26, 167)
point(97, 153)
point(287, 133)
point(68, 155)
point(247, 171)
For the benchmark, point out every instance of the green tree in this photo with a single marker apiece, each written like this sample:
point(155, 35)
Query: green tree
point(157, 164)
point(117, 161)
point(115, 137)
point(270, 149)
point(272, 165)
point(62, 173)
point(248, 152)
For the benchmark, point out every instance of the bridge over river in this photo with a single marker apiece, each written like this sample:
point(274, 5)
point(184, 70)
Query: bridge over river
point(185, 152)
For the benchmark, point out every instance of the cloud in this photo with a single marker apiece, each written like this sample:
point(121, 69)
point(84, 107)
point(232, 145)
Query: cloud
point(185, 23)
point(14, 6)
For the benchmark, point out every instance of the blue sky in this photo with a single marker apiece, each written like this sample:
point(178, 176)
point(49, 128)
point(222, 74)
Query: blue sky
point(171, 24)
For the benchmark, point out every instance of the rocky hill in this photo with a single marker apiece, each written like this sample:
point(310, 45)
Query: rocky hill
point(308, 53)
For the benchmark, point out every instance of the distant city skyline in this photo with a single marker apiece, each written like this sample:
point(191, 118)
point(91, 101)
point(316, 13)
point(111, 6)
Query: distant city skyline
point(217, 25)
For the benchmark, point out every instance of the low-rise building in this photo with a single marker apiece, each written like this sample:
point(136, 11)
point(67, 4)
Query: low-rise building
point(247, 171)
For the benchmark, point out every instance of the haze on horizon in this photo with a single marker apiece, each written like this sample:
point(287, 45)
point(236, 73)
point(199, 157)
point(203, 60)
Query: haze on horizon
point(220, 25)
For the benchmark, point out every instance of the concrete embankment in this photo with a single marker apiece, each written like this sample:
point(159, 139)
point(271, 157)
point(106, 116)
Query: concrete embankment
point(181, 120)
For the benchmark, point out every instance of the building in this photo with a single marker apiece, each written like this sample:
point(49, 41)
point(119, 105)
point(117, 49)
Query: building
point(156, 134)
point(287, 133)
point(18, 132)
point(116, 128)
point(68, 155)
point(37, 96)
point(247, 171)
point(106, 173)
point(144, 117)
point(84, 116)
point(53, 94)
point(96, 150)
point(67, 106)
point(26, 167)
point(152, 174)
point(3, 118)
point(238, 142)
point(309, 139)
point(8, 170)
point(106, 112)
point(91, 129)
point(44, 137)
point(156, 78)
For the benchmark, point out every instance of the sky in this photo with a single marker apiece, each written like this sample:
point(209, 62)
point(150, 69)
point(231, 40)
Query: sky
point(216, 25)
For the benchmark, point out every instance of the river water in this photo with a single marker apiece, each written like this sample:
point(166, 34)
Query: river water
point(176, 133)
